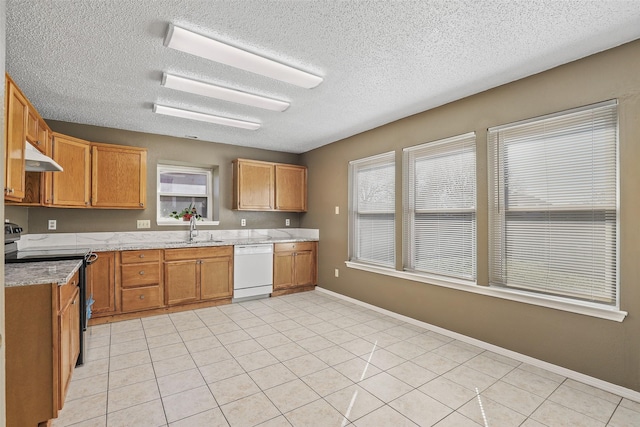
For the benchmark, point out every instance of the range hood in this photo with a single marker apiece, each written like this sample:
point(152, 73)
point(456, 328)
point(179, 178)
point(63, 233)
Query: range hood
point(35, 161)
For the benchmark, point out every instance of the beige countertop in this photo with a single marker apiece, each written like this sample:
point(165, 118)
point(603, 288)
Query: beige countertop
point(39, 273)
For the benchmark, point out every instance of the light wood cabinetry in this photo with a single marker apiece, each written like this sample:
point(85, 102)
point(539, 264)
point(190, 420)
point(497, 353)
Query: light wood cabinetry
point(254, 187)
point(196, 274)
point(16, 112)
point(69, 325)
point(42, 346)
point(294, 267)
point(291, 188)
point(118, 176)
point(266, 186)
point(101, 285)
point(94, 174)
point(141, 280)
point(71, 187)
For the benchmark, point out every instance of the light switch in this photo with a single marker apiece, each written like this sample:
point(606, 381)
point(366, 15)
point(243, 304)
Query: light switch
point(144, 223)
point(337, 210)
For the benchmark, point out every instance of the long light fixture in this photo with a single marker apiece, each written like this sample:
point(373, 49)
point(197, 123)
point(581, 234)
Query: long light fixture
point(194, 115)
point(187, 41)
point(200, 88)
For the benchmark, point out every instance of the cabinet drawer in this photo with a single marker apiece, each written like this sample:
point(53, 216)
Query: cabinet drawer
point(67, 291)
point(293, 247)
point(132, 257)
point(197, 253)
point(142, 274)
point(141, 298)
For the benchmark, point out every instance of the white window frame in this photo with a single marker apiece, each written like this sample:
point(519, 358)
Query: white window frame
point(212, 193)
point(498, 211)
point(432, 152)
point(355, 212)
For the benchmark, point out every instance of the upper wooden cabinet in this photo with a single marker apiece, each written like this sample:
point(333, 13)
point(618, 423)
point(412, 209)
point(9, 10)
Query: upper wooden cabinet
point(71, 187)
point(253, 185)
point(118, 176)
point(97, 175)
point(16, 112)
point(266, 186)
point(291, 188)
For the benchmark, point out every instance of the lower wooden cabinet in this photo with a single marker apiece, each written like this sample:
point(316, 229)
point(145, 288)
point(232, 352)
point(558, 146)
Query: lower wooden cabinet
point(101, 284)
point(42, 346)
point(141, 280)
point(294, 265)
point(197, 274)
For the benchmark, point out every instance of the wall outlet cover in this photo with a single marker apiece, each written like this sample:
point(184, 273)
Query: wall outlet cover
point(52, 224)
point(287, 222)
point(243, 222)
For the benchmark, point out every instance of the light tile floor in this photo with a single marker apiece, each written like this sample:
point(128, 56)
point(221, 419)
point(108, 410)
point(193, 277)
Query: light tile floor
point(311, 359)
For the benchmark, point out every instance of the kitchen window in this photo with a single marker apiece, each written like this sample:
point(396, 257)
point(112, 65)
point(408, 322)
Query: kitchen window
point(180, 187)
point(553, 198)
point(440, 208)
point(372, 210)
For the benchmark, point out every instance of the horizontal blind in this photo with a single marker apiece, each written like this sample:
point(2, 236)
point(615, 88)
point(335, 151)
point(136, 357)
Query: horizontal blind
point(372, 205)
point(440, 228)
point(553, 205)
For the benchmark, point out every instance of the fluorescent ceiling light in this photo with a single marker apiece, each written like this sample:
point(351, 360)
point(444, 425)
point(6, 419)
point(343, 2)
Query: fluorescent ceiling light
point(196, 44)
point(194, 115)
point(200, 88)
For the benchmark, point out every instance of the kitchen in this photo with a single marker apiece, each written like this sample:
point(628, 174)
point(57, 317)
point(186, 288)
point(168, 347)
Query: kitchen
point(407, 297)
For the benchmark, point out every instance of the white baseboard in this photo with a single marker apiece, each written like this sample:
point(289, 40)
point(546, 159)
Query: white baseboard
point(577, 376)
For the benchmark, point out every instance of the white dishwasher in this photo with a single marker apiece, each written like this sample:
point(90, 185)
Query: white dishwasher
point(252, 271)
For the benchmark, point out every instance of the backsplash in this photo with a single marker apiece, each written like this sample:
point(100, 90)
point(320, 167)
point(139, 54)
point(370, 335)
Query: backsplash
point(91, 240)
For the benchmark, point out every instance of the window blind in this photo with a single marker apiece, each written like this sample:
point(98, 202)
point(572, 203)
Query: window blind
point(372, 206)
point(439, 212)
point(553, 204)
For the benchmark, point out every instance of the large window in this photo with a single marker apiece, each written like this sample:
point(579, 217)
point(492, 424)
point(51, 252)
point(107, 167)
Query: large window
point(439, 210)
point(553, 204)
point(372, 210)
point(180, 187)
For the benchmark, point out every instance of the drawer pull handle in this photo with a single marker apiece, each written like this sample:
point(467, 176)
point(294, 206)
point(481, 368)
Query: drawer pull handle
point(141, 272)
point(141, 296)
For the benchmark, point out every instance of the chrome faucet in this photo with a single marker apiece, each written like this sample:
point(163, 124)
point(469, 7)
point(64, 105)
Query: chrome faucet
point(193, 232)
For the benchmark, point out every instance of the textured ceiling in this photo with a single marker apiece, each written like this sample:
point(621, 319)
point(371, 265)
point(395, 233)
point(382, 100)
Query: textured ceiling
point(100, 62)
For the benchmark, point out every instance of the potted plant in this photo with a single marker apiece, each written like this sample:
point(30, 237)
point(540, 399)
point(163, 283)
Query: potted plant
point(186, 214)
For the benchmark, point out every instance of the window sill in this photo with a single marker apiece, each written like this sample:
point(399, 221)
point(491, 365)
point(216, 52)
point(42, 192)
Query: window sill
point(543, 301)
point(185, 223)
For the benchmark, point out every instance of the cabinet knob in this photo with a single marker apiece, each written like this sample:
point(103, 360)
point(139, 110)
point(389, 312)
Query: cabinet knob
point(141, 255)
point(141, 296)
point(74, 302)
point(141, 205)
point(141, 272)
point(38, 142)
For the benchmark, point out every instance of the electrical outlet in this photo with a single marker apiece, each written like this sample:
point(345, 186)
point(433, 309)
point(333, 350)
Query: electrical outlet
point(337, 272)
point(337, 210)
point(287, 222)
point(144, 223)
point(52, 224)
point(243, 222)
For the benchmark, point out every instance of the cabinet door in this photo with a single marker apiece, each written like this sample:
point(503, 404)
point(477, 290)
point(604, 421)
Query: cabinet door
point(181, 281)
point(69, 324)
point(283, 270)
point(15, 125)
point(253, 185)
point(291, 188)
point(32, 126)
point(101, 283)
point(71, 187)
point(216, 278)
point(118, 177)
point(304, 268)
